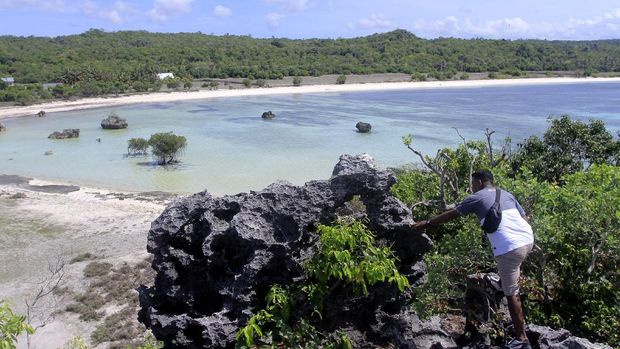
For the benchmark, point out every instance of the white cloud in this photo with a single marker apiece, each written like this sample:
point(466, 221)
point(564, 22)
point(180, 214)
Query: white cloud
point(117, 14)
point(289, 6)
point(164, 9)
point(598, 27)
point(44, 5)
point(375, 21)
point(273, 19)
point(222, 11)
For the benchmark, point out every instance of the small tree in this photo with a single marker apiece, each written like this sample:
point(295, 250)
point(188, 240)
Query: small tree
point(297, 81)
point(137, 146)
point(247, 83)
point(341, 79)
point(172, 82)
point(187, 84)
point(166, 147)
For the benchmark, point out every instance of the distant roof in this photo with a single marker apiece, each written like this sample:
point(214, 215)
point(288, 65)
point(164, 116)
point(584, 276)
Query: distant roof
point(8, 79)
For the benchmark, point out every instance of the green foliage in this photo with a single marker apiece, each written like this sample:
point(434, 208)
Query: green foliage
point(166, 147)
point(297, 81)
point(261, 83)
point(567, 147)
point(137, 146)
point(346, 257)
point(578, 227)
point(464, 76)
point(347, 252)
point(11, 326)
point(172, 82)
point(247, 83)
point(76, 343)
point(493, 75)
point(572, 279)
point(341, 80)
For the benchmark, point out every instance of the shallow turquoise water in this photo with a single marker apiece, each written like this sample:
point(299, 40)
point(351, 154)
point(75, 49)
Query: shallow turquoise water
point(231, 149)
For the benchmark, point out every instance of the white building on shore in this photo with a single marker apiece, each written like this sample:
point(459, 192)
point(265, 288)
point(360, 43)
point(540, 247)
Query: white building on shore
point(8, 80)
point(162, 76)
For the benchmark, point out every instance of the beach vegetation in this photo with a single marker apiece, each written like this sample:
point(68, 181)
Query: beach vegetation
point(570, 280)
point(341, 80)
point(137, 146)
point(297, 81)
point(464, 76)
point(167, 147)
point(261, 83)
point(247, 83)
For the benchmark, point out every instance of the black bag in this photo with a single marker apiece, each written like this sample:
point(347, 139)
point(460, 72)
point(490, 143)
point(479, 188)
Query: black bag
point(494, 215)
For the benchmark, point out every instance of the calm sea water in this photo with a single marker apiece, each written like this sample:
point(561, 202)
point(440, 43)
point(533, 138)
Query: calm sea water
point(231, 149)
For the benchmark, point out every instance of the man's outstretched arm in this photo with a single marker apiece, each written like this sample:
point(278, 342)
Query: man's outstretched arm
point(442, 218)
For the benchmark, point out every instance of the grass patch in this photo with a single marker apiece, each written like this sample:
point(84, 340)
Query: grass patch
point(88, 305)
point(83, 257)
point(97, 269)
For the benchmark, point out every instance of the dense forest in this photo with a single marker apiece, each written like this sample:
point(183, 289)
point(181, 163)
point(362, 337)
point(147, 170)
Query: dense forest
point(131, 55)
point(97, 63)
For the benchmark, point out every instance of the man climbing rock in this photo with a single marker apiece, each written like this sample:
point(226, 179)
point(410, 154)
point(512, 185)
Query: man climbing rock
point(509, 233)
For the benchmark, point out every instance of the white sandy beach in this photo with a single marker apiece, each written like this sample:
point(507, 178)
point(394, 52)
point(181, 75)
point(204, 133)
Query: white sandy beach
point(89, 103)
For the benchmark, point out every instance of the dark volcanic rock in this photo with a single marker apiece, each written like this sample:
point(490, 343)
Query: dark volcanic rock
point(67, 133)
point(216, 259)
point(41, 113)
point(268, 115)
point(114, 122)
point(363, 127)
point(2, 127)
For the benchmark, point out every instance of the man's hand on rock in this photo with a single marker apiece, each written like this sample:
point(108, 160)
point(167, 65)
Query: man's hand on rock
point(421, 225)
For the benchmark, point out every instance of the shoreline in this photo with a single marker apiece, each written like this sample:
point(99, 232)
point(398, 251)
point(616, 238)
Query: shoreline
point(163, 97)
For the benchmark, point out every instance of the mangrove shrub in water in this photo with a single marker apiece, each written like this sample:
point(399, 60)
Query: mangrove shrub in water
point(167, 147)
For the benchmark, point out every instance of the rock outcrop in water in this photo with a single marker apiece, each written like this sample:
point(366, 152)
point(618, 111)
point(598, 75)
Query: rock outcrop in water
point(216, 259)
point(2, 127)
point(67, 133)
point(114, 122)
point(363, 127)
point(268, 115)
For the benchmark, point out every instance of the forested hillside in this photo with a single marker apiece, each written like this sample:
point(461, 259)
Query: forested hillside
point(130, 56)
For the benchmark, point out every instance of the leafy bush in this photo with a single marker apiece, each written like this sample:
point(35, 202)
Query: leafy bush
point(166, 147)
point(247, 83)
point(567, 147)
point(137, 146)
point(341, 80)
point(346, 257)
point(572, 278)
point(11, 326)
point(297, 81)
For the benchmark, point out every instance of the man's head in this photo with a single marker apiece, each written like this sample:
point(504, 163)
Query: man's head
point(481, 179)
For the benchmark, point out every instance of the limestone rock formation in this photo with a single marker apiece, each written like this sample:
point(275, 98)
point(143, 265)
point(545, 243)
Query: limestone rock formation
point(363, 127)
point(268, 115)
point(66, 133)
point(114, 122)
point(216, 259)
point(41, 113)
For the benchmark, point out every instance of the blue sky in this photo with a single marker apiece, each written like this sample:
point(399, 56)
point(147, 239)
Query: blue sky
point(543, 19)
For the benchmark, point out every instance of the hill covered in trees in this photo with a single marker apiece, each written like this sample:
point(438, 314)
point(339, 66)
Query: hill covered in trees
point(129, 56)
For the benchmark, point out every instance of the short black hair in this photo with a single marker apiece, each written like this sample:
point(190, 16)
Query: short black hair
point(483, 175)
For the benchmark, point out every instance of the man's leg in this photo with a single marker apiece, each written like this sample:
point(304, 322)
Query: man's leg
point(516, 313)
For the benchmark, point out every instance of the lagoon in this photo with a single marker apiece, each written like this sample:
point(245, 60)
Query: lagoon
point(231, 149)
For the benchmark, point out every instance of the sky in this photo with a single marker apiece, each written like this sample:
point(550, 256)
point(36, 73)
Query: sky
point(514, 19)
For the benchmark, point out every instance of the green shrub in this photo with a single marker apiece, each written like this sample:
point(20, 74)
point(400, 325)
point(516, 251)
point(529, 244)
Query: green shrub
point(11, 326)
point(341, 80)
point(297, 81)
point(137, 146)
point(167, 147)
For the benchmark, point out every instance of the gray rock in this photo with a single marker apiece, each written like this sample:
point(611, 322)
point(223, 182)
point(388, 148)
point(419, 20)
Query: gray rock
point(49, 152)
point(114, 122)
point(215, 259)
point(2, 127)
point(549, 338)
point(363, 127)
point(67, 133)
point(268, 115)
point(41, 113)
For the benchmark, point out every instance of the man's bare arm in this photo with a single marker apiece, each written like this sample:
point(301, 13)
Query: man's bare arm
point(442, 218)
